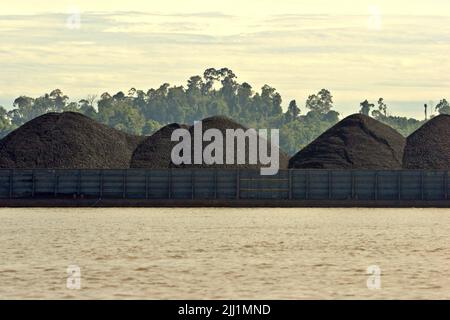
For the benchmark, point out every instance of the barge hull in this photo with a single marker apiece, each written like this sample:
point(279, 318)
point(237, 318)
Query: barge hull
point(223, 188)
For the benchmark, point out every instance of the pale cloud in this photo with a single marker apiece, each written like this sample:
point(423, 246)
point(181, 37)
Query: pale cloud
point(297, 51)
point(236, 7)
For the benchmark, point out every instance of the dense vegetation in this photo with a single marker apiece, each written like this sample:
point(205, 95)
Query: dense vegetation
point(217, 92)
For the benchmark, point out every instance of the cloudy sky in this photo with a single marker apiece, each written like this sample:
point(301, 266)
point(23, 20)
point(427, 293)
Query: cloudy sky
point(357, 49)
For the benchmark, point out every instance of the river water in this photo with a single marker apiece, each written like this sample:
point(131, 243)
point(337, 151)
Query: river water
point(212, 253)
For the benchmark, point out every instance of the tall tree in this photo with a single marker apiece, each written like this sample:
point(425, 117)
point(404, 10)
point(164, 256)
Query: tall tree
point(321, 103)
point(382, 107)
point(59, 100)
point(293, 110)
point(244, 94)
point(443, 107)
point(194, 86)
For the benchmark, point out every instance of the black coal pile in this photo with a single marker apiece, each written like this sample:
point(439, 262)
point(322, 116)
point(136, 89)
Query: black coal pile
point(66, 140)
point(357, 142)
point(155, 151)
point(429, 146)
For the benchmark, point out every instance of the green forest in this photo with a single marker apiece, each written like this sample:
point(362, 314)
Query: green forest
point(216, 92)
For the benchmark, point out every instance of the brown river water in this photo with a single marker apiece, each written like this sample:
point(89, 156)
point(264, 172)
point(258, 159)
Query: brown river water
point(211, 253)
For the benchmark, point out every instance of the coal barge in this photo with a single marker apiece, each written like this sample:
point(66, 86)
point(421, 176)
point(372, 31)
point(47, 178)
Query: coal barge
point(223, 188)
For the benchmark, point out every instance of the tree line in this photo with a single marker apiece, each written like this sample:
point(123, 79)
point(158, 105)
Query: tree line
point(216, 92)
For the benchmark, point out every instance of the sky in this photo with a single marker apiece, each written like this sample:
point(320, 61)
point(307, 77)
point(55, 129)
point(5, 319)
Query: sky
point(398, 50)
